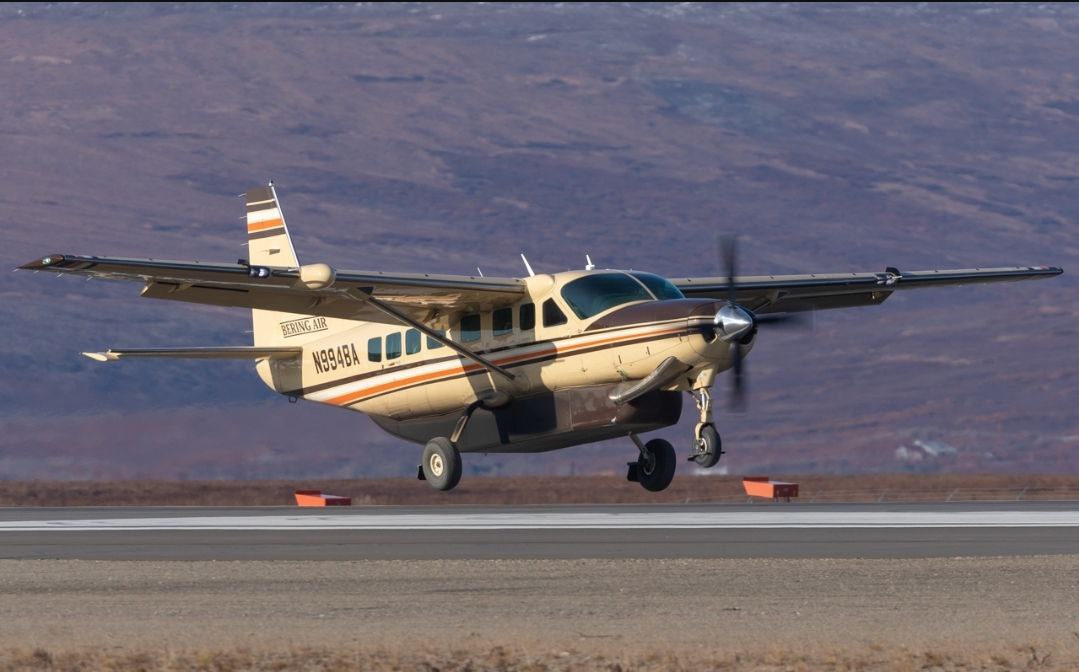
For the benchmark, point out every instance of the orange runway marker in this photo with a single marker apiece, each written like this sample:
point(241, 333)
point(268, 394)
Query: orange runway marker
point(760, 486)
point(316, 498)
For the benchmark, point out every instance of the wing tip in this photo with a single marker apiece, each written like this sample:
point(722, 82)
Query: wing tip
point(44, 263)
point(106, 356)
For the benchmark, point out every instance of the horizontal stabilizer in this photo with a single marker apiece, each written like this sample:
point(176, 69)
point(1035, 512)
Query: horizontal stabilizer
point(239, 352)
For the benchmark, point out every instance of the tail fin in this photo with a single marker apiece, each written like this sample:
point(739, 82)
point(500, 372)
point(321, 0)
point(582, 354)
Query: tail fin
point(268, 242)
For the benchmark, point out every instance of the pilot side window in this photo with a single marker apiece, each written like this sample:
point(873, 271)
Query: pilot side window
point(502, 321)
point(592, 294)
point(552, 314)
point(412, 342)
point(470, 328)
point(432, 344)
point(528, 316)
point(374, 349)
point(662, 287)
point(393, 346)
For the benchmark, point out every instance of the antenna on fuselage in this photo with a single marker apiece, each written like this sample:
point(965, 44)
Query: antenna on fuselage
point(588, 265)
point(480, 271)
point(527, 265)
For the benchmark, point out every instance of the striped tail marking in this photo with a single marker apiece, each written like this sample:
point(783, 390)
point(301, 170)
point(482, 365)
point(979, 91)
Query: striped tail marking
point(263, 213)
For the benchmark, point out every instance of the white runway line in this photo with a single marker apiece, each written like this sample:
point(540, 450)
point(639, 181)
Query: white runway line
point(569, 521)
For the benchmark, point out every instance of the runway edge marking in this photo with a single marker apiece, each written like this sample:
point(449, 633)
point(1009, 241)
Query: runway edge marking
point(787, 519)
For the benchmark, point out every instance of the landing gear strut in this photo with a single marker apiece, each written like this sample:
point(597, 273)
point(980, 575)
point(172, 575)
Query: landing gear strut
point(654, 469)
point(708, 448)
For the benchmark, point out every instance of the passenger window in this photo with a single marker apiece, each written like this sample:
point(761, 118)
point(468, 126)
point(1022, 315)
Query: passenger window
point(470, 328)
point(552, 314)
point(502, 321)
point(393, 346)
point(432, 344)
point(528, 316)
point(412, 342)
point(374, 349)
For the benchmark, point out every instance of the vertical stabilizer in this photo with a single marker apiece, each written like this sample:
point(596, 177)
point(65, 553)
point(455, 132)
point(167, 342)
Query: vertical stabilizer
point(268, 242)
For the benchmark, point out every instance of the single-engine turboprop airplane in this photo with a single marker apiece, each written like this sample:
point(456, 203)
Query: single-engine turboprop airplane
point(480, 364)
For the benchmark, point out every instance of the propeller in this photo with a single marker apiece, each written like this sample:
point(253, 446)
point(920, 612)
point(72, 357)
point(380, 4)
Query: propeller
point(737, 325)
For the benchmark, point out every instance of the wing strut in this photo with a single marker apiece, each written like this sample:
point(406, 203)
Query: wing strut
point(360, 295)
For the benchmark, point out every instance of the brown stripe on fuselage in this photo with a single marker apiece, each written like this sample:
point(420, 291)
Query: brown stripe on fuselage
point(512, 362)
point(656, 311)
point(509, 362)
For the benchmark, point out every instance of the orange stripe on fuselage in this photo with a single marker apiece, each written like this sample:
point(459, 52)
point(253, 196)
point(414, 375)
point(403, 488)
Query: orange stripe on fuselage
point(352, 397)
point(262, 226)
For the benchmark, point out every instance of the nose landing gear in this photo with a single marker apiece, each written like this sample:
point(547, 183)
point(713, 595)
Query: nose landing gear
point(709, 447)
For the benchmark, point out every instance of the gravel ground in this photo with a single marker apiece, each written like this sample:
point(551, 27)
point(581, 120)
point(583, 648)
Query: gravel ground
point(992, 613)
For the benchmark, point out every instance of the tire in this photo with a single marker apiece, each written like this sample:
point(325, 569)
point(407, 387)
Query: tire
point(441, 464)
point(657, 473)
point(713, 448)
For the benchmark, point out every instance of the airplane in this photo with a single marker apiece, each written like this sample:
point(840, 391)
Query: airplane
point(466, 364)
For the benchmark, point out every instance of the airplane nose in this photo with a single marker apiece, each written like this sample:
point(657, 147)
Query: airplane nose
point(735, 323)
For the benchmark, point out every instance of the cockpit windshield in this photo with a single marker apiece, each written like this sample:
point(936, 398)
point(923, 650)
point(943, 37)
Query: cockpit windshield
point(593, 294)
point(663, 288)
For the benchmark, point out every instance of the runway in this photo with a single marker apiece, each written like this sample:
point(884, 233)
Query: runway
point(543, 532)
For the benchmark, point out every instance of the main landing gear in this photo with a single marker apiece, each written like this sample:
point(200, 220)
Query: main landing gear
point(441, 466)
point(654, 469)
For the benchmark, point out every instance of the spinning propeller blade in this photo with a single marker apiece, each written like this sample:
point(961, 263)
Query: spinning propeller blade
point(740, 324)
point(728, 254)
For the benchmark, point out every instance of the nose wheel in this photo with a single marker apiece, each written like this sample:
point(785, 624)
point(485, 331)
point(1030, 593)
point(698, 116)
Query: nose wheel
point(709, 447)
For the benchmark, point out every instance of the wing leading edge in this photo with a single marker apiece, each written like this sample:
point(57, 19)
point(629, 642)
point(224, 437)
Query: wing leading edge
point(794, 293)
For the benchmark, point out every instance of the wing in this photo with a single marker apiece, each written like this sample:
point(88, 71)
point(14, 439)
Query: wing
point(793, 293)
point(314, 289)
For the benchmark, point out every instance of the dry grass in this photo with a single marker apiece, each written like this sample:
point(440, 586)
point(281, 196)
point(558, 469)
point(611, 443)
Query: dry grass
point(508, 659)
point(535, 490)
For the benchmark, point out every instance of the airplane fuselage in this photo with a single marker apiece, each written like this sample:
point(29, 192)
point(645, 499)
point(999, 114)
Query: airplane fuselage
point(563, 365)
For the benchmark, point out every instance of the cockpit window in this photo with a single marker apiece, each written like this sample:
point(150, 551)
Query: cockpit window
point(593, 294)
point(662, 287)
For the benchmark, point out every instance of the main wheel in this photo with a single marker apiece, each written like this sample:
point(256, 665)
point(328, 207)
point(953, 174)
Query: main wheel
point(709, 447)
point(655, 471)
point(441, 463)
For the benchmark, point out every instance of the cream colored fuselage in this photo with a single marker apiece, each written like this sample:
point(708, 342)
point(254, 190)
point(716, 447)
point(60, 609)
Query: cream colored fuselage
point(425, 380)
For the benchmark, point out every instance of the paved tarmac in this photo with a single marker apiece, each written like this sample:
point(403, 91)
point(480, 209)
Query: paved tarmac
point(543, 532)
